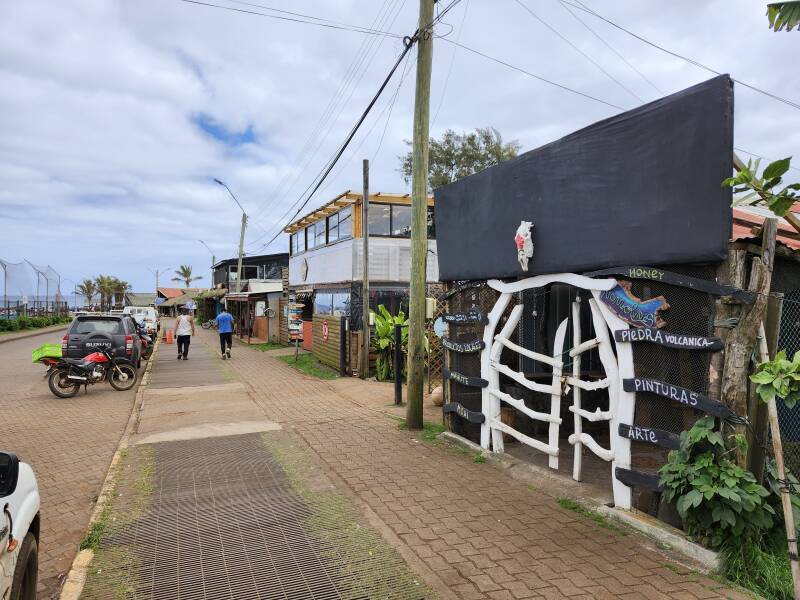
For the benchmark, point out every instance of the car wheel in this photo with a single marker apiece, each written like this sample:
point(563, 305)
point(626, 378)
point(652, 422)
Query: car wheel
point(26, 573)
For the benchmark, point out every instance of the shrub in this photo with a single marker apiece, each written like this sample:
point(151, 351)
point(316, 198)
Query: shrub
point(718, 500)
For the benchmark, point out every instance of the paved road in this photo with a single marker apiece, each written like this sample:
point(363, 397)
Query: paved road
point(69, 443)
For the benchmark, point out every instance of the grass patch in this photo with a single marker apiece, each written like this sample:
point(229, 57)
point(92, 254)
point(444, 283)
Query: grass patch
point(308, 365)
point(92, 539)
point(596, 517)
point(429, 432)
point(763, 569)
point(267, 346)
point(479, 458)
point(368, 567)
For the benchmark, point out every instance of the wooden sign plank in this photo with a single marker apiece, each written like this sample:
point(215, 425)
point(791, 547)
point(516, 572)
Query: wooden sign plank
point(461, 288)
point(470, 415)
point(678, 394)
point(682, 341)
point(471, 316)
point(463, 347)
point(701, 285)
point(657, 437)
point(464, 379)
point(638, 479)
point(634, 311)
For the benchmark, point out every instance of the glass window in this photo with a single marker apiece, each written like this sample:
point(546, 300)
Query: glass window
point(309, 237)
point(379, 219)
point(341, 304)
point(333, 228)
point(319, 233)
point(345, 222)
point(323, 303)
point(401, 221)
point(110, 326)
point(293, 244)
point(431, 224)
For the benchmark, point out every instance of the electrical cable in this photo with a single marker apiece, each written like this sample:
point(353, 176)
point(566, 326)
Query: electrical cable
point(578, 50)
point(753, 154)
point(533, 75)
point(676, 55)
point(610, 47)
point(318, 23)
point(408, 43)
point(450, 68)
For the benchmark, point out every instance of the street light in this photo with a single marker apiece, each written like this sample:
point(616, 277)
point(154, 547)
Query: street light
point(156, 273)
point(241, 236)
point(213, 261)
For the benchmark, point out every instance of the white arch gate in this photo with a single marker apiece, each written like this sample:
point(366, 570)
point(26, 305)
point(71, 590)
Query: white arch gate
point(621, 403)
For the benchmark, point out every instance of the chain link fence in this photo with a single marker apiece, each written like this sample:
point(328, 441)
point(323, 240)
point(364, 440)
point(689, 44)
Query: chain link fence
point(789, 418)
point(29, 289)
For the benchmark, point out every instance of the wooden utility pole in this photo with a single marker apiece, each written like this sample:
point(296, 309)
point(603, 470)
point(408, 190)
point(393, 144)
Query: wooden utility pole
point(365, 273)
point(419, 220)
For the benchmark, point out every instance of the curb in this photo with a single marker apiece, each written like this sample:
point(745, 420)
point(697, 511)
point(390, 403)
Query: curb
point(76, 577)
point(666, 537)
point(4, 339)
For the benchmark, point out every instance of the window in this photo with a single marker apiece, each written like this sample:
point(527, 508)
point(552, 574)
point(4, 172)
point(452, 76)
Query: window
point(309, 231)
point(319, 233)
point(379, 219)
point(332, 302)
point(333, 228)
point(293, 244)
point(345, 222)
point(401, 221)
point(110, 326)
point(431, 224)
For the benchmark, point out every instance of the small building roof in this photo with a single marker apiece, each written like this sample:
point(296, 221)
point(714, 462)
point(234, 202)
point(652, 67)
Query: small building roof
point(215, 293)
point(140, 298)
point(180, 300)
point(747, 218)
point(175, 292)
point(255, 259)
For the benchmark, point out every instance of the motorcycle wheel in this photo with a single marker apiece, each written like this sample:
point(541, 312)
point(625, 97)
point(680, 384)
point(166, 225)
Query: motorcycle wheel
point(61, 386)
point(116, 381)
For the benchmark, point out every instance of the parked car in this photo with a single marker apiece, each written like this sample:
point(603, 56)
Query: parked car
point(88, 333)
point(147, 317)
point(19, 529)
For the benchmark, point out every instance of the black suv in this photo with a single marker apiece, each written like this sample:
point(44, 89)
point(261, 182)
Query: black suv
point(87, 333)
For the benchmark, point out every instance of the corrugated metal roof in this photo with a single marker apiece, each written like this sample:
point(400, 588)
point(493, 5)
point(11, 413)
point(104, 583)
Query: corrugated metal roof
point(747, 217)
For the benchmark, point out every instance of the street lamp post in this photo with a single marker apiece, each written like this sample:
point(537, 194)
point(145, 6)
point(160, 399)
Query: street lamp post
point(241, 236)
point(213, 261)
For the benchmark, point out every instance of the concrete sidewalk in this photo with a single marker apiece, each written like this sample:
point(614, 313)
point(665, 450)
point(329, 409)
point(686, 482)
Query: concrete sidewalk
point(249, 479)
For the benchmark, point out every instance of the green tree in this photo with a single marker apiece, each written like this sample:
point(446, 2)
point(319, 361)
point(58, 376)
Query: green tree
point(105, 287)
point(120, 289)
point(184, 274)
point(457, 155)
point(88, 290)
point(783, 15)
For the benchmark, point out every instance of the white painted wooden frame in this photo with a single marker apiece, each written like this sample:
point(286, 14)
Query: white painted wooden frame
point(621, 403)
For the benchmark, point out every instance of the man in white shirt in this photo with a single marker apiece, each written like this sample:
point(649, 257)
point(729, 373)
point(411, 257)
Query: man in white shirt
point(184, 330)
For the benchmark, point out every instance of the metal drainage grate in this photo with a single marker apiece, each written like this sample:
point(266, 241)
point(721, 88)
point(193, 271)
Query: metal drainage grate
point(224, 523)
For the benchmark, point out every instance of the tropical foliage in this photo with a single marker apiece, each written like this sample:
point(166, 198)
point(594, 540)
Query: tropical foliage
point(87, 289)
point(719, 501)
point(23, 323)
point(763, 189)
point(456, 155)
point(780, 378)
point(383, 341)
point(783, 15)
point(184, 274)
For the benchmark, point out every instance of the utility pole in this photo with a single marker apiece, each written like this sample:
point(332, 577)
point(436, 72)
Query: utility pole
point(419, 221)
point(213, 261)
point(365, 282)
point(156, 273)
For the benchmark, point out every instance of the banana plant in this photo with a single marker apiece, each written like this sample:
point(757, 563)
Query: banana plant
point(383, 341)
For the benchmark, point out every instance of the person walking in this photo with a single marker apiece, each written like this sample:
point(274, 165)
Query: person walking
point(184, 330)
point(225, 327)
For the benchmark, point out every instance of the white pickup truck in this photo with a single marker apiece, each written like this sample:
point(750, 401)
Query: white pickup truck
point(19, 529)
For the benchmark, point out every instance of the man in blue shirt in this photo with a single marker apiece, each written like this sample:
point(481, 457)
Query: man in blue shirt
point(225, 326)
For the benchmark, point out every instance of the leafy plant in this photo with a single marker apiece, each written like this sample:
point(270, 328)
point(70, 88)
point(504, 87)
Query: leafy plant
point(783, 14)
point(184, 274)
point(762, 189)
point(779, 377)
point(383, 341)
point(718, 500)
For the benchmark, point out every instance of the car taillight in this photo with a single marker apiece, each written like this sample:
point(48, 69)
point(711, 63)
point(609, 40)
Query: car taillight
point(129, 344)
point(64, 342)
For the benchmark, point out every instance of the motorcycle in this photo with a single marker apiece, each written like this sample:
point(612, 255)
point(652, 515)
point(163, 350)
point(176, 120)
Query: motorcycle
point(65, 376)
point(147, 342)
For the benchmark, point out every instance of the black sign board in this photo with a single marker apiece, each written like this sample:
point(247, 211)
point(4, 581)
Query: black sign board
point(469, 415)
point(681, 341)
point(678, 394)
point(638, 479)
point(701, 285)
point(463, 347)
point(464, 379)
point(471, 316)
point(657, 437)
point(469, 285)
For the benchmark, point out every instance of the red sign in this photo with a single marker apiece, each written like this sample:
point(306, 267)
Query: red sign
point(325, 331)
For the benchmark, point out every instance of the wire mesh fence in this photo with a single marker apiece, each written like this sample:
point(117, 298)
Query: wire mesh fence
point(29, 289)
point(789, 418)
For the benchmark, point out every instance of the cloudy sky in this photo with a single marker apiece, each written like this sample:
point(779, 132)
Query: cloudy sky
point(116, 115)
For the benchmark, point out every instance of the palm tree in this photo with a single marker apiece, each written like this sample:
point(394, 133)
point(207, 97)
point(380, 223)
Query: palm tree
point(105, 286)
point(184, 274)
point(87, 289)
point(120, 289)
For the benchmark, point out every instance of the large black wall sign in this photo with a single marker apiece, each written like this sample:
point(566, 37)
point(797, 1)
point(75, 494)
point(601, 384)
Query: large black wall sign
point(681, 341)
point(640, 187)
point(678, 394)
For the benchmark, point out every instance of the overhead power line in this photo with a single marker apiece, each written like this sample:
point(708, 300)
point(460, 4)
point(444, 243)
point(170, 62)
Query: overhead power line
point(698, 64)
point(578, 50)
point(533, 75)
point(308, 20)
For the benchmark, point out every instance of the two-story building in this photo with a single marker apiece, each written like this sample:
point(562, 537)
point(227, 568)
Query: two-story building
point(326, 268)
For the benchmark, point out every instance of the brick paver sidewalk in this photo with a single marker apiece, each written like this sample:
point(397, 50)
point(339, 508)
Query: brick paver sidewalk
point(482, 533)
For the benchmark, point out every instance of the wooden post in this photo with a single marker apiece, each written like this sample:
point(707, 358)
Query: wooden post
point(741, 340)
point(398, 364)
point(365, 274)
point(419, 221)
point(777, 448)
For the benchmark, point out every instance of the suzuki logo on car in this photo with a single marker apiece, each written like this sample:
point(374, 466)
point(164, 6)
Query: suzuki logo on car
point(98, 345)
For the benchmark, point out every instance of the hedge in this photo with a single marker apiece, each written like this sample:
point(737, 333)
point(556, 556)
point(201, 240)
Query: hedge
point(23, 323)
